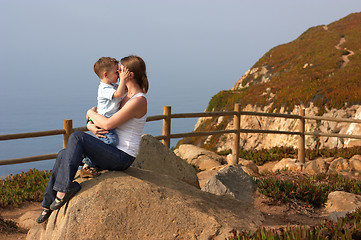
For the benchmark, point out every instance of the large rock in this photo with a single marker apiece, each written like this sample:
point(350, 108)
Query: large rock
point(249, 165)
point(339, 165)
point(355, 163)
point(340, 203)
point(204, 176)
point(288, 164)
point(233, 181)
point(316, 166)
point(202, 158)
point(154, 156)
point(251, 141)
point(140, 204)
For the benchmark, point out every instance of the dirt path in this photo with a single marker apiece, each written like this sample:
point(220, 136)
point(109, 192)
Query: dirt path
point(14, 214)
point(345, 57)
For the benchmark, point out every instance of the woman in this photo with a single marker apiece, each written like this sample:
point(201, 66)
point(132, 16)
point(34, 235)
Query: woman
point(129, 123)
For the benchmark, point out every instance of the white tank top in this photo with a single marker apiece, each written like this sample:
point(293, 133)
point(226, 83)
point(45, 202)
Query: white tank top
point(130, 133)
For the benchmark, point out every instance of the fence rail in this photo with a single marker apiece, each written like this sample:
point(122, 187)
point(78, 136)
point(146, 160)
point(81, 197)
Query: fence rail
point(167, 135)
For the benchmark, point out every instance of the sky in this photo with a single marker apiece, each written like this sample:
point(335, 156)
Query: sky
point(193, 50)
point(47, 47)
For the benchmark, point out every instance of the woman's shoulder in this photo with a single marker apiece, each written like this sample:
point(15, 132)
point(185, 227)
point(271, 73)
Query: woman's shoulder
point(141, 102)
point(139, 95)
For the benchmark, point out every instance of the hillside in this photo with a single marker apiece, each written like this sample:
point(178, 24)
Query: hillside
point(321, 68)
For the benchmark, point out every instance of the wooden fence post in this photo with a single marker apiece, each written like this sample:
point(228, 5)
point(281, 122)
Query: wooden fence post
point(68, 127)
point(166, 125)
point(301, 138)
point(237, 127)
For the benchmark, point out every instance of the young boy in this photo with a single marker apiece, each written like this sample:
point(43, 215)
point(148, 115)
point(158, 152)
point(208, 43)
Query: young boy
point(109, 97)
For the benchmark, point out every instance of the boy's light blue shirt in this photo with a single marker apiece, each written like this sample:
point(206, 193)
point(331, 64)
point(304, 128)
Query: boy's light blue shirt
point(107, 105)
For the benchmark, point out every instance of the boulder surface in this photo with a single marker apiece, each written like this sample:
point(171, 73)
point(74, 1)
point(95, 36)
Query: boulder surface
point(200, 157)
point(154, 156)
point(140, 204)
point(340, 203)
point(233, 181)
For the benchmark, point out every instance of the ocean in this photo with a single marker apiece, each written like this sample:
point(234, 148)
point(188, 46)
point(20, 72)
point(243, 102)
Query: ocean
point(34, 112)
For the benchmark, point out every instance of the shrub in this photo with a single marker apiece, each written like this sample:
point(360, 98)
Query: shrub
point(28, 186)
point(312, 190)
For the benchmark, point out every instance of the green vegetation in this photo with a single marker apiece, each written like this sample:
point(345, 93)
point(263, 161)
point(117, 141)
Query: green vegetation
point(266, 155)
point(305, 70)
point(311, 190)
point(277, 153)
point(29, 186)
point(348, 227)
point(322, 81)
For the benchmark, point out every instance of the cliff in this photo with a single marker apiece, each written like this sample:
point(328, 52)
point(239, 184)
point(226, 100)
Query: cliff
point(320, 70)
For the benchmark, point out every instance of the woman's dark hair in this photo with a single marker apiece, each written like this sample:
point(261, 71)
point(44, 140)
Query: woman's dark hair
point(136, 65)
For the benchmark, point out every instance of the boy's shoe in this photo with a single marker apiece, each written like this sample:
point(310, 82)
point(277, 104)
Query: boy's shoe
point(89, 172)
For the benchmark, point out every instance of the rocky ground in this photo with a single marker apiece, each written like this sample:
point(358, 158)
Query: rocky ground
point(143, 182)
point(276, 214)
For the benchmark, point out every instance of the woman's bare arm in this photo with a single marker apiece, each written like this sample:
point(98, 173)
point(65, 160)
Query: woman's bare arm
point(99, 132)
point(134, 108)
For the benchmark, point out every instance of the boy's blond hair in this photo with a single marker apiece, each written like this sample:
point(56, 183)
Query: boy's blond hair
point(104, 64)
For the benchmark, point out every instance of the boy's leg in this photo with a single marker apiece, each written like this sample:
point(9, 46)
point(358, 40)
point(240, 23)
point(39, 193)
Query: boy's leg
point(111, 138)
point(87, 161)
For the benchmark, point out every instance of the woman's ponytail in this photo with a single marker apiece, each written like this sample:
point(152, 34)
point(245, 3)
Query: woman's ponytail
point(145, 84)
point(136, 65)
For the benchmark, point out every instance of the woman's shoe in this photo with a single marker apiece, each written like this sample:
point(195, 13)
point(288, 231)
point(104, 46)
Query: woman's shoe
point(43, 217)
point(56, 205)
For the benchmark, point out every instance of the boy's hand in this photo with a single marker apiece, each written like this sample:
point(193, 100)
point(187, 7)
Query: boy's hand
point(123, 73)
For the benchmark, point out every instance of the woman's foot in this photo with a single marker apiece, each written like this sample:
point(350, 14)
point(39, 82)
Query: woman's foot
point(62, 198)
point(45, 214)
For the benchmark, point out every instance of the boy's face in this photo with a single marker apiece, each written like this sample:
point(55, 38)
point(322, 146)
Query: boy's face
point(113, 74)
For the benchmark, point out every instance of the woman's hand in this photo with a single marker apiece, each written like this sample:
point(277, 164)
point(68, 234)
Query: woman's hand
point(93, 109)
point(99, 132)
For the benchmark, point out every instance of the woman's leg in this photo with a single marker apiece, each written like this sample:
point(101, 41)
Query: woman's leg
point(101, 154)
point(106, 156)
point(50, 194)
point(69, 164)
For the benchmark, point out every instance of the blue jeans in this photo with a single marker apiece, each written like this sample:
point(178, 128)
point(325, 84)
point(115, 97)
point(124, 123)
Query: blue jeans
point(111, 138)
point(69, 159)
